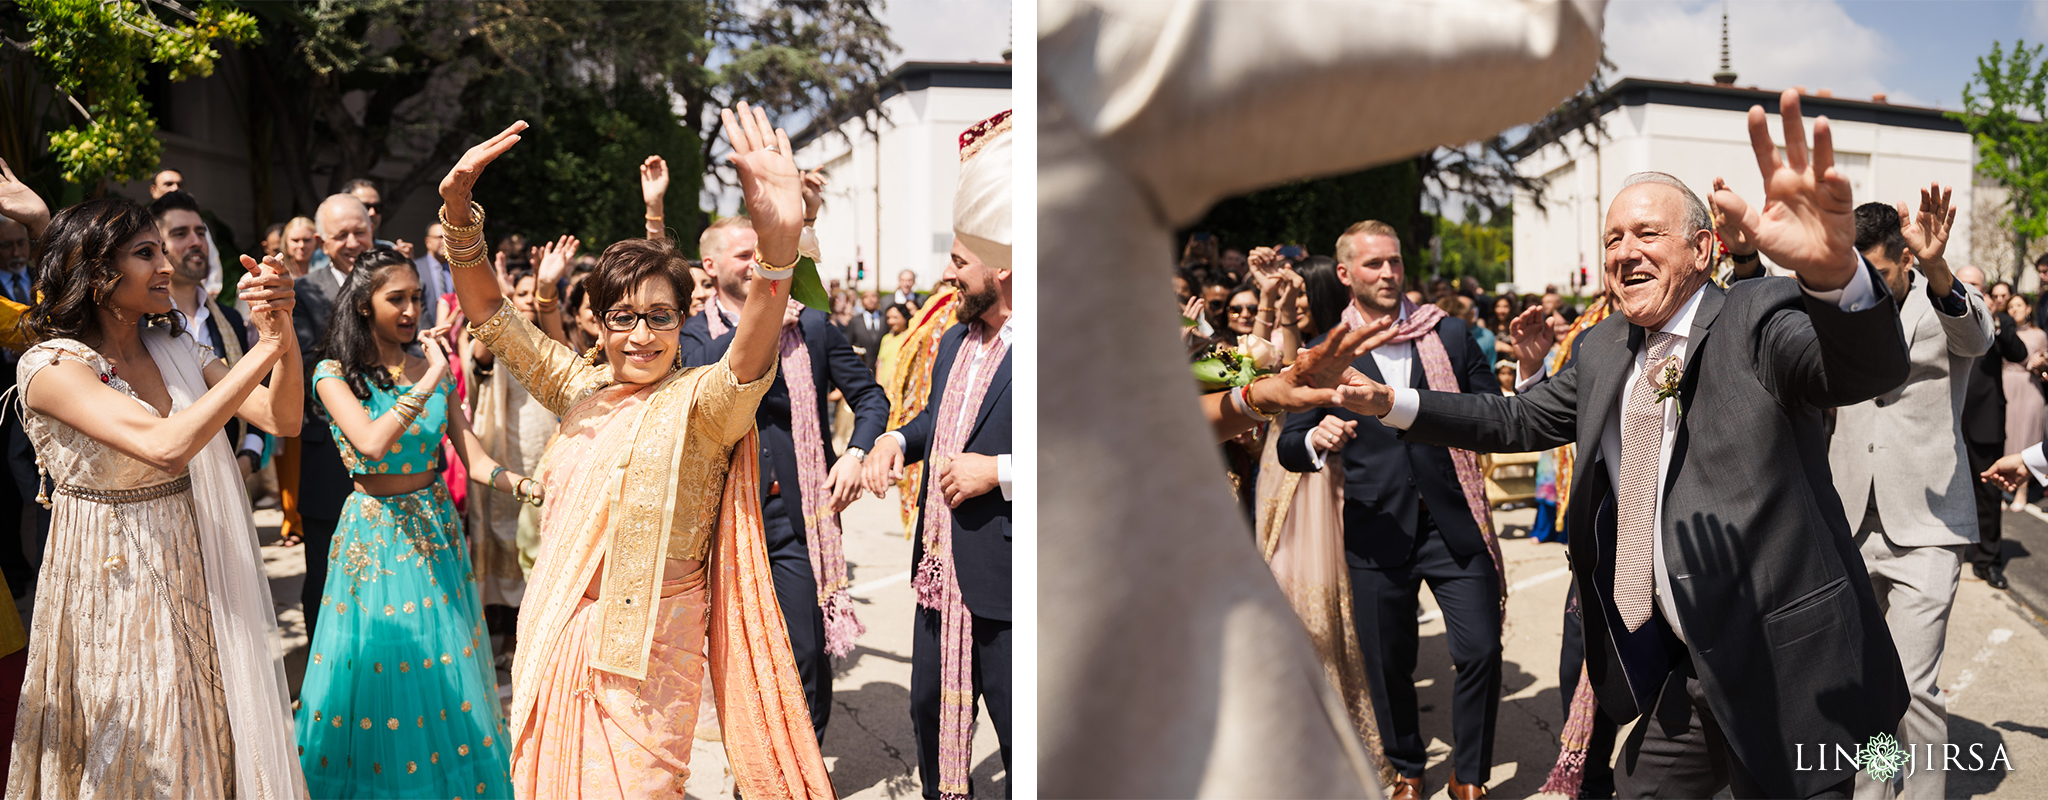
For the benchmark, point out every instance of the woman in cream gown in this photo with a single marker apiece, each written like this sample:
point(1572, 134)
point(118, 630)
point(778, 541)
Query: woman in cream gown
point(652, 568)
point(153, 665)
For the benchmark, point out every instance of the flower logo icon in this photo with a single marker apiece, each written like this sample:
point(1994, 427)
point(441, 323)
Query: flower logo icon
point(1882, 757)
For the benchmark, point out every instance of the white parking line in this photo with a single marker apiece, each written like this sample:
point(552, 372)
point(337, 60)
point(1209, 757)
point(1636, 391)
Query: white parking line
point(1998, 636)
point(1535, 580)
point(878, 583)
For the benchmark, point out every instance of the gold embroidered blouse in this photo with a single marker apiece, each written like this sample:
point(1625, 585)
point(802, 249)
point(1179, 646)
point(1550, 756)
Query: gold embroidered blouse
point(582, 393)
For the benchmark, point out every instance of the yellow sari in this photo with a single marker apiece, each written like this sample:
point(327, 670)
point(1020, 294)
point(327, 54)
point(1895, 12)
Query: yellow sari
point(605, 691)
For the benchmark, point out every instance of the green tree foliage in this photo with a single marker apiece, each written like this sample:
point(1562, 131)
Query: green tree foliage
point(97, 51)
point(329, 91)
point(1482, 250)
point(577, 170)
point(2005, 105)
point(1313, 213)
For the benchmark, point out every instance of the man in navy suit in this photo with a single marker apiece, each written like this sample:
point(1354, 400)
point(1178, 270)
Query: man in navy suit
point(1405, 522)
point(188, 246)
point(727, 247)
point(974, 484)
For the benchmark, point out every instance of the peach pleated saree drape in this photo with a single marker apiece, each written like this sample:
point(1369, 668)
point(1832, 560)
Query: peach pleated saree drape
point(1300, 528)
point(604, 703)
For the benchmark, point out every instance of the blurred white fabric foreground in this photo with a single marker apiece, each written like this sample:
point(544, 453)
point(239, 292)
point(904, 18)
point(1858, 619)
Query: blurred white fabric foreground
point(1169, 664)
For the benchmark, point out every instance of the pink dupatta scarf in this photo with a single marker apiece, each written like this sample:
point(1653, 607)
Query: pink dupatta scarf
point(767, 728)
point(938, 586)
point(821, 527)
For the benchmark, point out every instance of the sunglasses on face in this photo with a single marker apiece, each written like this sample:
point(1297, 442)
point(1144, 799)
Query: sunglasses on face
point(1244, 309)
point(374, 207)
point(619, 320)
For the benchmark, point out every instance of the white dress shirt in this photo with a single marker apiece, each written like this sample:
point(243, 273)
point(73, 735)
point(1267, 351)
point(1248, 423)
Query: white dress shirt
point(975, 372)
point(1860, 294)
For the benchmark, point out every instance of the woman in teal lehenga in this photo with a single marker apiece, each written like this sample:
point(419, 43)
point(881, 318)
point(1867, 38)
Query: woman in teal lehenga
point(400, 697)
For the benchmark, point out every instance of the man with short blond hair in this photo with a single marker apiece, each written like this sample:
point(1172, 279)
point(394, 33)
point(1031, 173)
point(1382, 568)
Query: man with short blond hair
point(1408, 519)
point(793, 457)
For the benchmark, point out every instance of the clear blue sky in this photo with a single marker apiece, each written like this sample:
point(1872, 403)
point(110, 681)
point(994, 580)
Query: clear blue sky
point(1916, 51)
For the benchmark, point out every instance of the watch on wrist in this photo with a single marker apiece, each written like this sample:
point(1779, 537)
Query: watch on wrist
point(859, 456)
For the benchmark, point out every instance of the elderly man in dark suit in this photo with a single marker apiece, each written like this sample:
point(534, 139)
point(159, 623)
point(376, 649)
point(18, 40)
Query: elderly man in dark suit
point(1407, 520)
point(972, 486)
point(794, 522)
point(1983, 425)
point(866, 328)
point(1724, 596)
point(324, 483)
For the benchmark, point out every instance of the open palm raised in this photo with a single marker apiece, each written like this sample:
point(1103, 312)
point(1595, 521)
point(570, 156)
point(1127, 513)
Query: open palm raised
point(1808, 222)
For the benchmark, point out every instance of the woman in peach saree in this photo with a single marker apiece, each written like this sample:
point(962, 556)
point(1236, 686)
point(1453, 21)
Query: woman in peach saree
point(652, 569)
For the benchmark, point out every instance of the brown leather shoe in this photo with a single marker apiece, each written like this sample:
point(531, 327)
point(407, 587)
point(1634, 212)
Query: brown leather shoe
point(1407, 789)
point(1465, 791)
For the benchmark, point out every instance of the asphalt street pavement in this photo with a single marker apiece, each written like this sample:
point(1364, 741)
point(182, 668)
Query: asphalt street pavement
point(869, 746)
point(1991, 672)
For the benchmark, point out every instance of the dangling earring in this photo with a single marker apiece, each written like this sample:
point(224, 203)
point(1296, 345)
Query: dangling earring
point(590, 356)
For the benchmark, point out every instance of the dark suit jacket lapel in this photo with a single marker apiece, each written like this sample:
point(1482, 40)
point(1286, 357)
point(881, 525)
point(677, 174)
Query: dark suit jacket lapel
point(1370, 366)
point(1604, 360)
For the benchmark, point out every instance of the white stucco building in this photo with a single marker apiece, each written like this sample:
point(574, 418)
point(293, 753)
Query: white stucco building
point(889, 201)
point(1698, 132)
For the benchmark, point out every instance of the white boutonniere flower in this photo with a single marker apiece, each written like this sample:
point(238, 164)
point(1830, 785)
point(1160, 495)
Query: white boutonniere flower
point(1666, 376)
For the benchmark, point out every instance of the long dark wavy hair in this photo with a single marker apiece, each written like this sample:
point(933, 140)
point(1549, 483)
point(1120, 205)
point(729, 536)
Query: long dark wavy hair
point(351, 338)
point(1327, 295)
point(77, 270)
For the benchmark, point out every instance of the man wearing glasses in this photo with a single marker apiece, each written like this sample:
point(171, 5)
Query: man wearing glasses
point(795, 458)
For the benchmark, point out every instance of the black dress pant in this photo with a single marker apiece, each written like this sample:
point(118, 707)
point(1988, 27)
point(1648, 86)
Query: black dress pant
point(1680, 751)
point(1385, 603)
point(1990, 510)
point(1599, 776)
point(991, 676)
point(796, 591)
point(17, 492)
point(319, 539)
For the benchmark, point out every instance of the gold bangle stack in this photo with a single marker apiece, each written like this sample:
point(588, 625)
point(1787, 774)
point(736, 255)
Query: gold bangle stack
point(409, 408)
point(547, 305)
point(527, 490)
point(465, 244)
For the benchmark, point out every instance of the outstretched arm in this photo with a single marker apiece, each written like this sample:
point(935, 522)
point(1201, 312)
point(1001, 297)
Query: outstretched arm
point(774, 198)
point(73, 394)
point(475, 286)
point(278, 405)
point(653, 187)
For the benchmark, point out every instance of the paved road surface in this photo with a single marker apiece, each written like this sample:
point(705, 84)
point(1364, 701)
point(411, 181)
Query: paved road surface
point(1992, 674)
point(869, 746)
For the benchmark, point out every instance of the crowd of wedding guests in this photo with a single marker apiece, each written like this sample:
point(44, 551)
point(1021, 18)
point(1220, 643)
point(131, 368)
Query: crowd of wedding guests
point(1347, 460)
point(441, 426)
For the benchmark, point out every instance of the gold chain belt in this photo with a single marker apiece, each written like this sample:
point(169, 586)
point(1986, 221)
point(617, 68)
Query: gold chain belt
point(124, 496)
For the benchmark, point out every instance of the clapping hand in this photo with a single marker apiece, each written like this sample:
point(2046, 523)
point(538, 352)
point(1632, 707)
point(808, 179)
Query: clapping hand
point(814, 193)
point(1265, 265)
point(267, 288)
point(1808, 220)
point(22, 204)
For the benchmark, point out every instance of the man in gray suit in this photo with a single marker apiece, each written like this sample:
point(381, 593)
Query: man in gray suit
point(1900, 466)
point(1722, 595)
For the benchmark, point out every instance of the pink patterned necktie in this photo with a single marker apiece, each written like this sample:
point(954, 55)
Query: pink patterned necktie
point(1642, 447)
